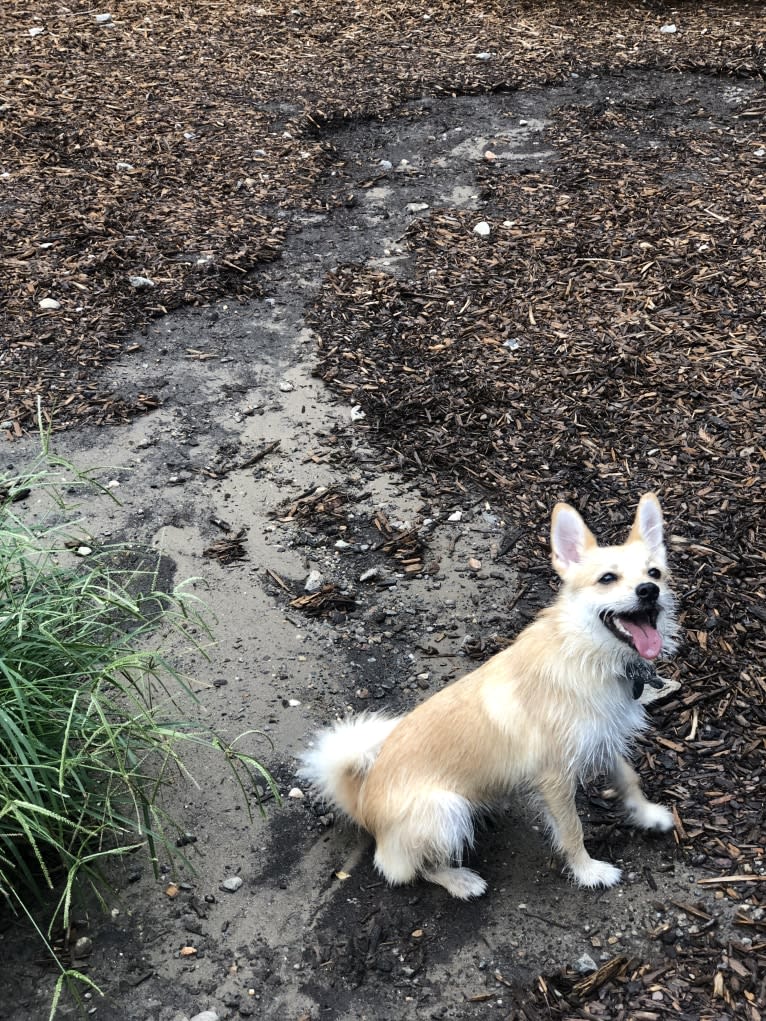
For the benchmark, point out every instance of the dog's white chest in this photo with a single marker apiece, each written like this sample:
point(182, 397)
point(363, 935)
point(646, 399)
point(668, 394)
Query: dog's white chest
point(600, 736)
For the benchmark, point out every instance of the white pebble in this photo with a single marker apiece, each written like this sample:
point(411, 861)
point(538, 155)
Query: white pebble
point(50, 303)
point(296, 793)
point(313, 582)
point(483, 229)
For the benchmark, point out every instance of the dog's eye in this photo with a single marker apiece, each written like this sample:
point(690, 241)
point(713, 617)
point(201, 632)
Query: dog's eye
point(654, 572)
point(607, 579)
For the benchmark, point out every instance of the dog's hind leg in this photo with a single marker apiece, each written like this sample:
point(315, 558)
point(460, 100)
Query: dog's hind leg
point(460, 882)
point(424, 840)
point(642, 813)
point(558, 795)
point(397, 862)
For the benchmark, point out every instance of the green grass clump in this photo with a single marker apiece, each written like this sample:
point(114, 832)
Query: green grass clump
point(88, 737)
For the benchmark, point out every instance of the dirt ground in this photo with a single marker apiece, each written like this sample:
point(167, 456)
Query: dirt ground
point(231, 379)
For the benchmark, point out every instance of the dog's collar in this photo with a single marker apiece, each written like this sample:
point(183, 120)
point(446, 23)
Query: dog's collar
point(639, 673)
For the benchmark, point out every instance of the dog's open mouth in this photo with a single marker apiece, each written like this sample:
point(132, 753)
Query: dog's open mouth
point(637, 629)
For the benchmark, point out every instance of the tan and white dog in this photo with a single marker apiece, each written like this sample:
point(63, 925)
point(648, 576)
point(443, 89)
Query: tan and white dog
point(553, 707)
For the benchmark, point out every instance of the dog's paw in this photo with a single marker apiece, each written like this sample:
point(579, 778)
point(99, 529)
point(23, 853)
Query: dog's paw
point(461, 883)
point(650, 816)
point(595, 873)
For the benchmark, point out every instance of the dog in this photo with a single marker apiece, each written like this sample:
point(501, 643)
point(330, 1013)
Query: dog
point(555, 706)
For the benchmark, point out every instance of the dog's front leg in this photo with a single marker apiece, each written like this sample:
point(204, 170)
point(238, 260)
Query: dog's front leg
point(641, 812)
point(558, 797)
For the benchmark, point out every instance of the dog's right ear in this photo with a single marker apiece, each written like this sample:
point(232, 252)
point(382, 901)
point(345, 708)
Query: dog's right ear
point(570, 538)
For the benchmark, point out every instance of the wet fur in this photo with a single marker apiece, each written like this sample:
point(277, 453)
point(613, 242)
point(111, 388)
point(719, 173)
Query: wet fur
point(548, 710)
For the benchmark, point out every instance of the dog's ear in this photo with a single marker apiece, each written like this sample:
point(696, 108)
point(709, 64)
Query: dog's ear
point(647, 525)
point(570, 538)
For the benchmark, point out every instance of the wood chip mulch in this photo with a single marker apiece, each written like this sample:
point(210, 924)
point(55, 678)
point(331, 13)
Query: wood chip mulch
point(608, 338)
point(152, 157)
point(230, 549)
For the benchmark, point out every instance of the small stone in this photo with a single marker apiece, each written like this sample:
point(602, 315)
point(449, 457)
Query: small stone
point(489, 156)
point(50, 304)
point(286, 386)
point(668, 30)
point(484, 56)
point(296, 793)
point(36, 31)
point(474, 564)
point(370, 575)
point(483, 229)
point(103, 19)
point(314, 582)
point(293, 703)
point(83, 551)
point(83, 946)
point(585, 964)
point(231, 885)
point(205, 1015)
point(386, 165)
point(141, 283)
point(455, 516)
point(416, 207)
point(122, 165)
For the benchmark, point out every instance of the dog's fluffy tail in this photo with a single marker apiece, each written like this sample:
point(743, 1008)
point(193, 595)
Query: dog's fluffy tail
point(342, 756)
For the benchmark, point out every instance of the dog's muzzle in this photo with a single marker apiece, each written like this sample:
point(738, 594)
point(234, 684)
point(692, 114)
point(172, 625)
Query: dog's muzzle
point(637, 628)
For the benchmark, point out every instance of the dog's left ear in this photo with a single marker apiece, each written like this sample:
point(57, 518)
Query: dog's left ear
point(570, 538)
point(647, 525)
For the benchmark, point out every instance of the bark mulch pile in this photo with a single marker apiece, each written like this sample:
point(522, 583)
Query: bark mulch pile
point(606, 338)
point(152, 156)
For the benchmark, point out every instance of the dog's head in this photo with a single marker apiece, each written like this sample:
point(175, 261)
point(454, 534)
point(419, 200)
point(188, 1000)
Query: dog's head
point(619, 596)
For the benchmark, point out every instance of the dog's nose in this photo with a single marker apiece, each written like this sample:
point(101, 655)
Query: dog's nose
point(648, 592)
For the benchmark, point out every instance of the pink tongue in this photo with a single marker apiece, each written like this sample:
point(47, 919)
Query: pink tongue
point(645, 638)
